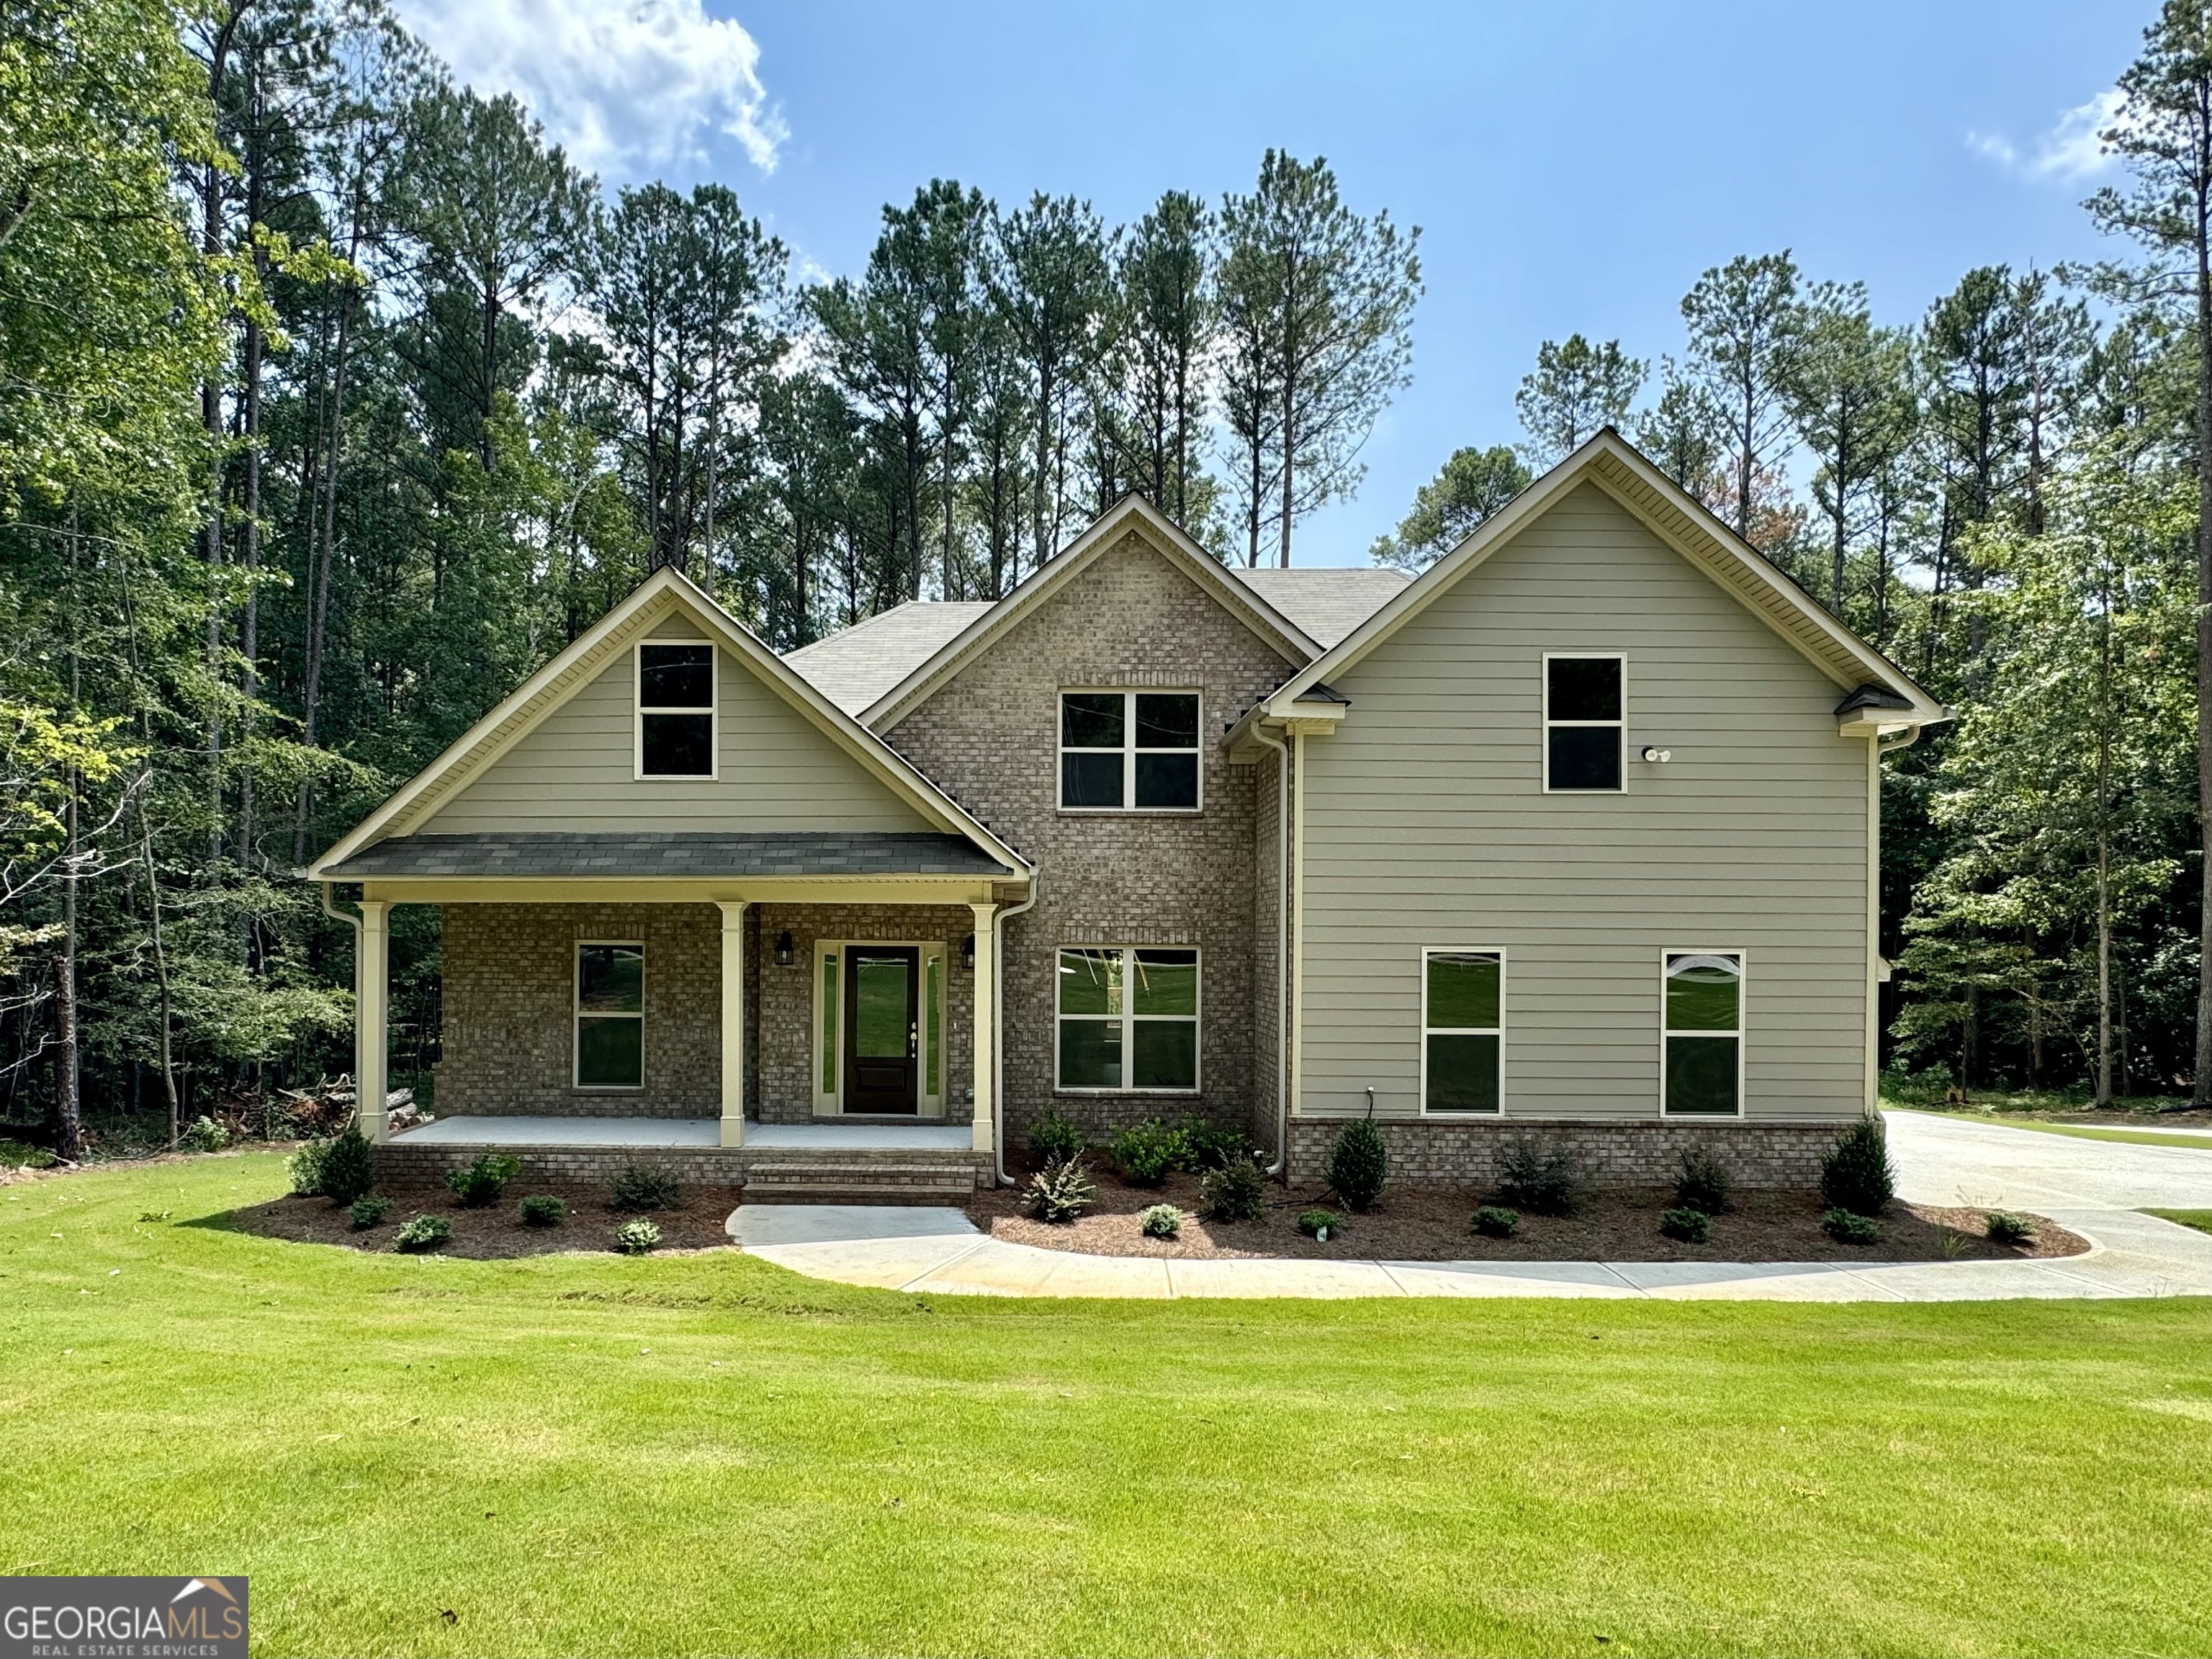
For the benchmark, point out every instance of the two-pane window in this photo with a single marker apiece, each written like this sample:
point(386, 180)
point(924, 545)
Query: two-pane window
point(1583, 723)
point(610, 1015)
point(1703, 1039)
point(1463, 999)
point(676, 711)
point(1128, 1018)
point(1128, 750)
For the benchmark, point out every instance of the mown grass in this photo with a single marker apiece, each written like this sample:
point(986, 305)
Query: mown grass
point(2200, 1220)
point(594, 1455)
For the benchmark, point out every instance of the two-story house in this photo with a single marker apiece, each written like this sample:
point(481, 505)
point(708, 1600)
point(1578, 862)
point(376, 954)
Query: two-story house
point(1572, 837)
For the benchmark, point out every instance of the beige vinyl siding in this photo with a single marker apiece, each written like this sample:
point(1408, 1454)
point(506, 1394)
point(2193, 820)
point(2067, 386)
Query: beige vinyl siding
point(1426, 825)
point(576, 771)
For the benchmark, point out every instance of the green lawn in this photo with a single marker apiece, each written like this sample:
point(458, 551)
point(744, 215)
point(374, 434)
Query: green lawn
point(593, 1454)
point(2200, 1220)
point(2201, 1143)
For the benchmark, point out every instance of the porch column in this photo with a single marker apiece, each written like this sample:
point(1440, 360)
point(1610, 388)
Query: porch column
point(371, 998)
point(733, 1020)
point(987, 1024)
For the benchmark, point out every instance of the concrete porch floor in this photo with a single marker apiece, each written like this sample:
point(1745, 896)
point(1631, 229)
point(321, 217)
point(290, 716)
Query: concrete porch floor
point(687, 1134)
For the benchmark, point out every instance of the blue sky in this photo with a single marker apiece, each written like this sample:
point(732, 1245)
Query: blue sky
point(1570, 168)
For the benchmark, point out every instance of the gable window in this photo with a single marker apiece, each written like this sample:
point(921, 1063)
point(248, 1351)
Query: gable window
point(1128, 751)
point(676, 711)
point(1582, 722)
point(610, 1015)
point(1128, 1019)
point(1462, 1031)
point(1703, 1034)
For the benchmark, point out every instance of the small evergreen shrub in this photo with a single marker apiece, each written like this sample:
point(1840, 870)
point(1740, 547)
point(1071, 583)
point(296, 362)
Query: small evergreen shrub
point(1703, 1185)
point(206, 1135)
point(1145, 1153)
point(1159, 1221)
point(1496, 1221)
point(424, 1232)
point(367, 1212)
point(642, 1186)
point(304, 1168)
point(1689, 1225)
point(1856, 1174)
point(542, 1210)
point(2003, 1227)
point(638, 1236)
point(1540, 1182)
point(347, 1171)
point(1055, 1138)
point(479, 1186)
point(1210, 1146)
point(1322, 1225)
point(1846, 1228)
point(1358, 1165)
point(1059, 1192)
point(1236, 1191)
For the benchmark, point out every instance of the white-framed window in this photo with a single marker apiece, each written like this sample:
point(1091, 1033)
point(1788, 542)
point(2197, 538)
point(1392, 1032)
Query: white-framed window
point(1129, 751)
point(1463, 1030)
point(676, 711)
point(1701, 1033)
point(1585, 720)
point(610, 1012)
point(1128, 1019)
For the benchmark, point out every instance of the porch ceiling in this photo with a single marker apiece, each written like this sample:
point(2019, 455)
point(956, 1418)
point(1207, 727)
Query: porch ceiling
point(680, 856)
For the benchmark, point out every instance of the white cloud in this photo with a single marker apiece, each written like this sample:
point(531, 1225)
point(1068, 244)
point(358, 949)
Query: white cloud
point(628, 86)
point(2068, 153)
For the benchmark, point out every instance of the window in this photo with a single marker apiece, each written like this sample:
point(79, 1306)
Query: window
point(1583, 722)
point(1128, 1019)
point(676, 711)
point(1704, 1034)
point(1125, 750)
point(610, 1015)
point(1463, 997)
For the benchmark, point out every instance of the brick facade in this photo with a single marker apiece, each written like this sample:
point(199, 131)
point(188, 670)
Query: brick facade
point(990, 738)
point(1637, 1153)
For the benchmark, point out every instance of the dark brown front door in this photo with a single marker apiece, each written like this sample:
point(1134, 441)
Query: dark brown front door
point(881, 1005)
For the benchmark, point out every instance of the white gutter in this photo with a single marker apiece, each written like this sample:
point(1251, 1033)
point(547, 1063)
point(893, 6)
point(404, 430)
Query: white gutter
point(1282, 944)
point(354, 922)
point(998, 1027)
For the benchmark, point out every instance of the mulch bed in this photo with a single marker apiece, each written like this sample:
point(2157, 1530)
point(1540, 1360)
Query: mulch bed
point(697, 1223)
point(1431, 1223)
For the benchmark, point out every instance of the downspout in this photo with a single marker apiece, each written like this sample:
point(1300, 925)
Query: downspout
point(1282, 946)
point(352, 920)
point(998, 1027)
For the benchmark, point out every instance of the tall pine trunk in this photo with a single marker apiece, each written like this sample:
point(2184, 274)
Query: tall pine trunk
point(2201, 1090)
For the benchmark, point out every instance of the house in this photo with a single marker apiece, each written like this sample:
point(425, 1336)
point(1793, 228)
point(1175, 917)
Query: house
point(1571, 838)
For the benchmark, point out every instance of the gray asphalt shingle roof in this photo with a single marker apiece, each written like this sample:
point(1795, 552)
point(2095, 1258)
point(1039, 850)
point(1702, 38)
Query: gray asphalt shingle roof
point(855, 667)
point(679, 854)
point(1326, 604)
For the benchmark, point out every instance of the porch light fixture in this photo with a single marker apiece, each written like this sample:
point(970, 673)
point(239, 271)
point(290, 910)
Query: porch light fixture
point(968, 953)
point(785, 954)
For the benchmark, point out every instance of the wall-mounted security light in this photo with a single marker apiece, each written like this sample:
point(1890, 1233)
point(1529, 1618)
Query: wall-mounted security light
point(1654, 754)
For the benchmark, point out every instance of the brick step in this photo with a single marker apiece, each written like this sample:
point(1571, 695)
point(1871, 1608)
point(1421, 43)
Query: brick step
point(957, 1177)
point(857, 1191)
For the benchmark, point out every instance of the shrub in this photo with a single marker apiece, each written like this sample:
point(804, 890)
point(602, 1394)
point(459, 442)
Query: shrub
point(1055, 1140)
point(1705, 1183)
point(15, 1155)
point(424, 1232)
point(1691, 1226)
point(304, 1168)
point(1235, 1192)
point(1159, 1221)
point(1145, 1153)
point(480, 1185)
point(1323, 1225)
point(1540, 1181)
point(1210, 1146)
point(637, 1237)
point(1358, 1165)
point(366, 1213)
point(1058, 1192)
point(543, 1210)
point(206, 1135)
point(1846, 1228)
point(1496, 1221)
point(2003, 1227)
point(642, 1186)
point(348, 1170)
point(1856, 1174)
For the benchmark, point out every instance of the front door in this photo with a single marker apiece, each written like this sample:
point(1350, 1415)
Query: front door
point(881, 1005)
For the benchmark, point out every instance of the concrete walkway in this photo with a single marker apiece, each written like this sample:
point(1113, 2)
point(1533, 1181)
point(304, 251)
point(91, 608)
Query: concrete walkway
point(2090, 1187)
